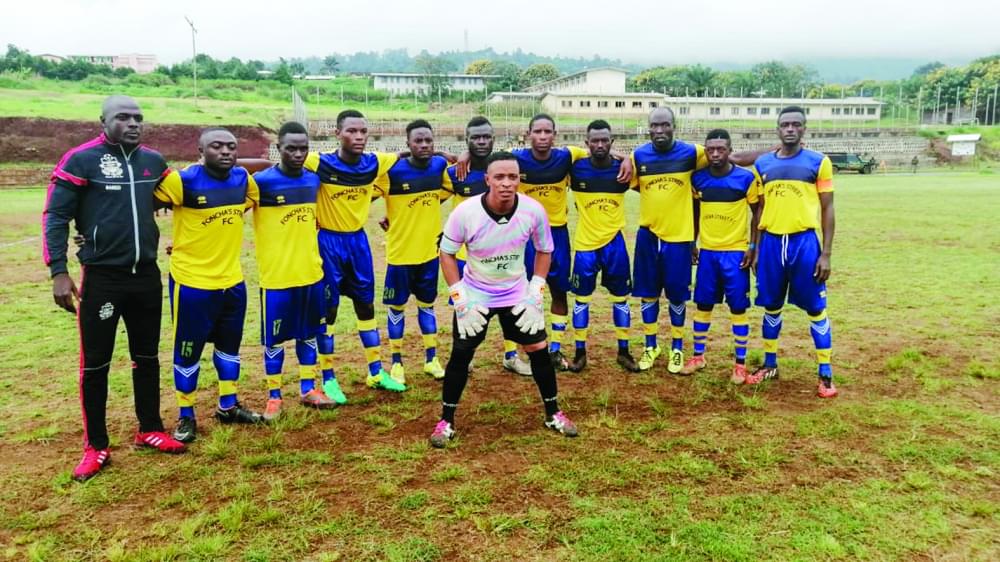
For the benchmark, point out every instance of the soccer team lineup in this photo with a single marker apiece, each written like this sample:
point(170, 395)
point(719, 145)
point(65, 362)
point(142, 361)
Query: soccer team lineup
point(715, 227)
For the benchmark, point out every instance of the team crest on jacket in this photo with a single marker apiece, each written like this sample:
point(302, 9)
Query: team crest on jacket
point(111, 167)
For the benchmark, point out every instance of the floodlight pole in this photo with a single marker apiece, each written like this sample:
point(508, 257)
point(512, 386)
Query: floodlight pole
point(993, 121)
point(194, 58)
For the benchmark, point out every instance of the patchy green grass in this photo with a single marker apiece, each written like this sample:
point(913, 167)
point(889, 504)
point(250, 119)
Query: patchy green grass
point(903, 465)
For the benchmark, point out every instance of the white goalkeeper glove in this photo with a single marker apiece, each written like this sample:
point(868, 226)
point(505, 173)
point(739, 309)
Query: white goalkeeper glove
point(532, 317)
point(470, 317)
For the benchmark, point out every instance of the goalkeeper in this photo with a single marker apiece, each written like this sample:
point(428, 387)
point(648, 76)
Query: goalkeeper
point(495, 228)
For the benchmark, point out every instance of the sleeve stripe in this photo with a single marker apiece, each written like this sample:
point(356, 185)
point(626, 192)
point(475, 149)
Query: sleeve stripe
point(62, 174)
point(824, 184)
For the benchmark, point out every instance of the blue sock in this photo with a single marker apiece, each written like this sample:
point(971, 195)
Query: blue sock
point(770, 330)
point(581, 320)
point(185, 385)
point(227, 365)
point(325, 346)
point(306, 352)
point(274, 359)
point(428, 328)
point(650, 311)
point(395, 327)
point(677, 313)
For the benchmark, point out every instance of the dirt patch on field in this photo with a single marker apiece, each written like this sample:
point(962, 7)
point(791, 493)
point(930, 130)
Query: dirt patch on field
point(46, 140)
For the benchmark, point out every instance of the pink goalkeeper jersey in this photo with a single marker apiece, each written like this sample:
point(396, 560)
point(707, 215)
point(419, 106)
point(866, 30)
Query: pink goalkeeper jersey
point(494, 270)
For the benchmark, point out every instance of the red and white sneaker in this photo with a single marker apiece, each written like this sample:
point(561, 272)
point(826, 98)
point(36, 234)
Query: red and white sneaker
point(443, 433)
point(694, 364)
point(826, 389)
point(92, 463)
point(739, 374)
point(160, 441)
point(762, 374)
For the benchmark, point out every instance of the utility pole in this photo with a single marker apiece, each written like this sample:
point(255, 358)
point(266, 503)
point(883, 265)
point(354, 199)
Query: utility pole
point(194, 58)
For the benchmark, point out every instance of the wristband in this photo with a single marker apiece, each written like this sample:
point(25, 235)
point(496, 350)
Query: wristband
point(751, 246)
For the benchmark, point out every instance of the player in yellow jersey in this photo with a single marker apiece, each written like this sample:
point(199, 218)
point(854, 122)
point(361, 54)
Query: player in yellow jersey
point(292, 300)
point(797, 196)
point(664, 242)
point(545, 177)
point(599, 246)
point(207, 294)
point(724, 195)
point(348, 179)
point(417, 185)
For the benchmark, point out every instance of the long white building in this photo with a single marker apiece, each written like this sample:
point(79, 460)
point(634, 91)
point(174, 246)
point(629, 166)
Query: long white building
point(407, 82)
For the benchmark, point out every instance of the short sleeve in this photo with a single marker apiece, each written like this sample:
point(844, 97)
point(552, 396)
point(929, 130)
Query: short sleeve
point(541, 237)
point(577, 153)
point(453, 235)
point(386, 160)
point(634, 182)
point(824, 177)
point(701, 157)
point(754, 190)
point(253, 193)
point(447, 189)
point(170, 189)
point(312, 162)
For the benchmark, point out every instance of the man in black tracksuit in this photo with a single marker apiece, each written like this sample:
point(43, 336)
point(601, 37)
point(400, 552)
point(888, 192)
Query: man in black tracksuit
point(105, 186)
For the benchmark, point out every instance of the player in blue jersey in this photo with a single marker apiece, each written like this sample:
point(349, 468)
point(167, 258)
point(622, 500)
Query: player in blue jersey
point(724, 193)
point(599, 246)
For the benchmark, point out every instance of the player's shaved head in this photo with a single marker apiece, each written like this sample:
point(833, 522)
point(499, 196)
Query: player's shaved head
point(291, 127)
point(347, 114)
point(718, 134)
point(541, 117)
point(661, 114)
point(793, 109)
point(661, 128)
point(116, 103)
point(212, 134)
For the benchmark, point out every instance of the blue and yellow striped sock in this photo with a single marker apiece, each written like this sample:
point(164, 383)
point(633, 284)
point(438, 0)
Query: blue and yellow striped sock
point(770, 330)
point(741, 336)
point(650, 311)
point(185, 386)
point(428, 328)
point(621, 316)
point(227, 365)
point(274, 360)
point(819, 326)
point(325, 344)
point(700, 326)
point(509, 349)
point(368, 332)
point(306, 352)
point(581, 321)
point(395, 327)
point(558, 332)
point(677, 317)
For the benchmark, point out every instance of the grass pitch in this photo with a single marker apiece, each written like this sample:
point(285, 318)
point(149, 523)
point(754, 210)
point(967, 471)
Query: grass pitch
point(902, 466)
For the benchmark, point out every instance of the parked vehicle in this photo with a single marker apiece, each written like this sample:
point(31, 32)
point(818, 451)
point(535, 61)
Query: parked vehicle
point(850, 161)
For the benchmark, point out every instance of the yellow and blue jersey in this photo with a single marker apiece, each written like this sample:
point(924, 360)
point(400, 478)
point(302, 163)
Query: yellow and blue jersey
point(473, 185)
point(413, 206)
point(600, 203)
point(666, 204)
point(285, 229)
point(547, 181)
point(346, 190)
point(791, 188)
point(208, 225)
point(724, 209)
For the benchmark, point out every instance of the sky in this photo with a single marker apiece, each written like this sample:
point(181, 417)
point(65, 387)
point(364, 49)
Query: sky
point(646, 32)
